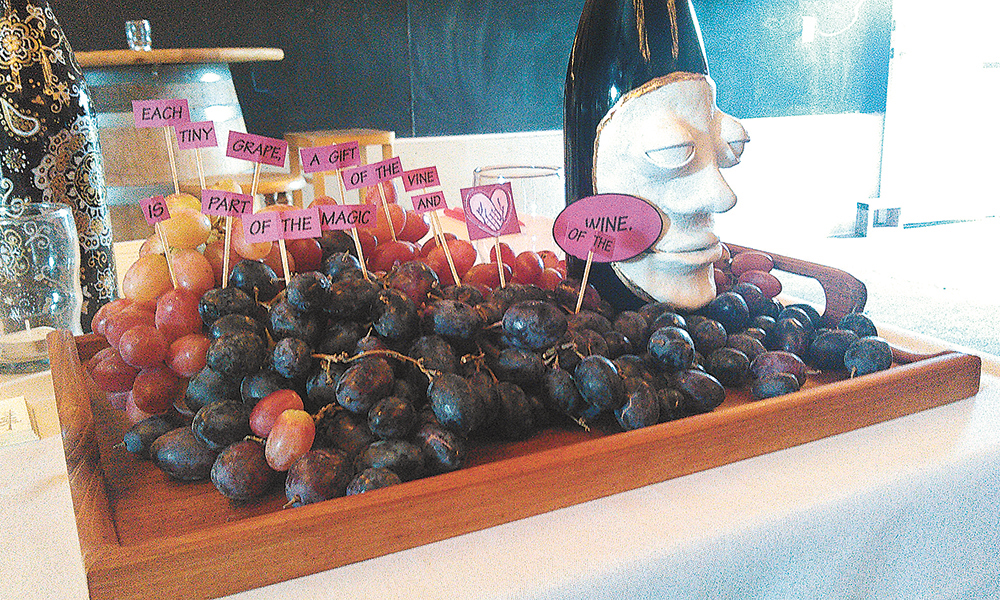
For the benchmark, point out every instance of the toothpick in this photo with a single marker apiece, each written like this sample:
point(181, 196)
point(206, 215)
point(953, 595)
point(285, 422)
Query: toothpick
point(443, 242)
point(385, 207)
point(166, 253)
point(583, 284)
point(354, 230)
point(496, 244)
point(201, 168)
point(225, 250)
point(167, 135)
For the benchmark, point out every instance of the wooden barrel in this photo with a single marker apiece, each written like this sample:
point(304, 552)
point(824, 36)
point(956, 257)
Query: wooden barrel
point(136, 162)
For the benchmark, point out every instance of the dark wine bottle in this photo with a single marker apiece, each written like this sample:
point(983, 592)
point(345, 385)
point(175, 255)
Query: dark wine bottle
point(619, 46)
point(49, 147)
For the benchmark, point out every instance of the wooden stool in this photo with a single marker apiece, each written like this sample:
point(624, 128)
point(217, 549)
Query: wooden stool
point(311, 139)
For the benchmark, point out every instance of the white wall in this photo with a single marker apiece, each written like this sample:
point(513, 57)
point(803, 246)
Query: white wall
point(800, 176)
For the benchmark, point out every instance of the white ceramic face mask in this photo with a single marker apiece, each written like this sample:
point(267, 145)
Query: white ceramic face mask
point(666, 142)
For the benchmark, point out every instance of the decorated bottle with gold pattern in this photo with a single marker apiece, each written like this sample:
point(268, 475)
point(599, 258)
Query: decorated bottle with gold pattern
point(49, 147)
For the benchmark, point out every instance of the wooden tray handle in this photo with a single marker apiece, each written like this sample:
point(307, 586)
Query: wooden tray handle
point(80, 444)
point(844, 293)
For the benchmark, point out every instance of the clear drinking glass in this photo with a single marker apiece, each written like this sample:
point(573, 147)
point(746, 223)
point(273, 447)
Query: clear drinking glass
point(539, 196)
point(139, 35)
point(39, 282)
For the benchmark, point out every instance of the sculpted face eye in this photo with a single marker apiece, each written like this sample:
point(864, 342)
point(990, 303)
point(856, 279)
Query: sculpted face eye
point(672, 157)
point(734, 139)
point(669, 145)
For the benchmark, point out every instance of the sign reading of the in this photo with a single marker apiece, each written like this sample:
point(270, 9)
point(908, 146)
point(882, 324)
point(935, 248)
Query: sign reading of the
point(614, 227)
point(368, 175)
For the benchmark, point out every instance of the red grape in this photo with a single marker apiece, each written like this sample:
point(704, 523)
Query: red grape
point(147, 279)
point(308, 254)
point(118, 324)
point(388, 254)
point(110, 372)
point(192, 271)
point(143, 346)
point(506, 254)
point(415, 227)
point(528, 267)
point(768, 283)
point(432, 243)
point(487, 274)
point(155, 389)
point(106, 311)
point(265, 412)
point(751, 260)
point(549, 258)
point(549, 278)
point(291, 437)
point(273, 260)
point(186, 355)
point(177, 314)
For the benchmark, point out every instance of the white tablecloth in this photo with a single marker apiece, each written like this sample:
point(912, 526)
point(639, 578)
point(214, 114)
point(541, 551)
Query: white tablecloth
point(905, 509)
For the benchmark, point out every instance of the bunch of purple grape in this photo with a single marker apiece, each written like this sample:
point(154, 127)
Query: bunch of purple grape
point(341, 382)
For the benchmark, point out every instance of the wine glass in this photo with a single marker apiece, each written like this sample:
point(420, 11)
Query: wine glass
point(539, 196)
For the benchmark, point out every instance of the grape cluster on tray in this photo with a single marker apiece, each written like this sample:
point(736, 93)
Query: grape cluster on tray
point(346, 380)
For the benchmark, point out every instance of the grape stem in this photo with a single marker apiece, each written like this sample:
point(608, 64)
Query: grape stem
point(345, 358)
point(291, 503)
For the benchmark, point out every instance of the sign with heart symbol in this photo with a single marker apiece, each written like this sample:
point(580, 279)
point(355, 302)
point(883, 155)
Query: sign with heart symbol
point(489, 211)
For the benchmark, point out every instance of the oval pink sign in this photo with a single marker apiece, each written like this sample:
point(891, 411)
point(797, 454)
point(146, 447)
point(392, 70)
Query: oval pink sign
point(614, 227)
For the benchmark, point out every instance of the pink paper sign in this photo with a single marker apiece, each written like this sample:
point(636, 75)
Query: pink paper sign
point(428, 202)
point(160, 113)
point(300, 224)
point(257, 148)
point(154, 209)
point(223, 203)
point(419, 179)
point(489, 211)
point(631, 224)
point(330, 158)
point(335, 217)
point(261, 227)
point(367, 175)
point(196, 135)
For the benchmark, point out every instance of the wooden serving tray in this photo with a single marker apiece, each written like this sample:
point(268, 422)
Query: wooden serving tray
point(143, 535)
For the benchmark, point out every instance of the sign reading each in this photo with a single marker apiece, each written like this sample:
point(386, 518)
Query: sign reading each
point(489, 211)
point(300, 224)
point(614, 227)
point(330, 158)
point(335, 217)
point(368, 175)
point(224, 203)
point(154, 209)
point(261, 227)
point(256, 148)
point(428, 202)
point(200, 134)
point(160, 113)
point(419, 179)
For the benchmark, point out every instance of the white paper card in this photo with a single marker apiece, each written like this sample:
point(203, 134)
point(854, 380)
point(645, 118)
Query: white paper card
point(16, 425)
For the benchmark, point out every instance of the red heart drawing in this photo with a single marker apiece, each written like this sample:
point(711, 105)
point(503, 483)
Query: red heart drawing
point(492, 212)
